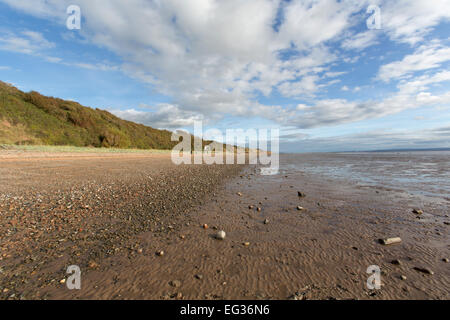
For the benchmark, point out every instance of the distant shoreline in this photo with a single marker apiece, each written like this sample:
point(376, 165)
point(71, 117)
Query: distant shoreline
point(372, 151)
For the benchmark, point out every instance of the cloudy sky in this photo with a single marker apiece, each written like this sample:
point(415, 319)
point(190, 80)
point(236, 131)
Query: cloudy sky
point(315, 69)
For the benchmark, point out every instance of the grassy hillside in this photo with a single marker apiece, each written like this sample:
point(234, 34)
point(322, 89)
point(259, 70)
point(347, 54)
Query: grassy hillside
point(34, 119)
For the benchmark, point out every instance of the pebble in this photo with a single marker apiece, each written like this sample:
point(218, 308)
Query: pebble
point(403, 277)
point(258, 209)
point(301, 194)
point(300, 208)
point(390, 240)
point(63, 281)
point(445, 260)
point(417, 211)
point(423, 270)
point(246, 244)
point(205, 226)
point(396, 262)
point(221, 235)
point(160, 253)
point(175, 283)
point(297, 296)
point(266, 221)
point(251, 207)
point(239, 194)
point(199, 276)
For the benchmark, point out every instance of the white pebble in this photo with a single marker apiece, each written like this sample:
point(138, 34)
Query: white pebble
point(220, 235)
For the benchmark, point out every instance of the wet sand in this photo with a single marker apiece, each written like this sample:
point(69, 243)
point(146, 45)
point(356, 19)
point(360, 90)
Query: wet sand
point(110, 215)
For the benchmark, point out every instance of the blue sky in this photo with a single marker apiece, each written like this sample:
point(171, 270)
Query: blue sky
point(313, 69)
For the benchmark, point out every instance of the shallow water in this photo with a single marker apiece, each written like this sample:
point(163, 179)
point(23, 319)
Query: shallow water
point(421, 173)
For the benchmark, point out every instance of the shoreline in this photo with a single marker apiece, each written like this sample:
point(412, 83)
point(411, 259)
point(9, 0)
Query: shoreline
point(319, 252)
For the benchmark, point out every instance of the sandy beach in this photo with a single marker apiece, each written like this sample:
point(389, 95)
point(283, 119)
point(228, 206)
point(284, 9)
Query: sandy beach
point(111, 214)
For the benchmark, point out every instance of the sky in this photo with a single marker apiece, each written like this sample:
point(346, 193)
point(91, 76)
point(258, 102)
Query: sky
point(331, 75)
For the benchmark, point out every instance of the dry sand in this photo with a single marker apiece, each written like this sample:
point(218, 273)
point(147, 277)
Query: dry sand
point(111, 214)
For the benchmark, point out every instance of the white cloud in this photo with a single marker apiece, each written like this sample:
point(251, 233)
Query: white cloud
point(28, 42)
point(427, 56)
point(328, 112)
point(361, 40)
point(410, 20)
point(34, 43)
point(310, 23)
point(166, 116)
point(334, 74)
point(209, 55)
point(215, 57)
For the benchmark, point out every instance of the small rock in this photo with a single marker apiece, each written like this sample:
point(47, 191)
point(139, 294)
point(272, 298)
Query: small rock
point(93, 265)
point(389, 241)
point(423, 270)
point(140, 250)
point(266, 221)
point(239, 194)
point(445, 260)
point(182, 236)
point(396, 262)
point(63, 281)
point(221, 235)
point(301, 194)
point(403, 277)
point(205, 226)
point(300, 208)
point(417, 211)
point(251, 207)
point(160, 253)
point(297, 296)
point(246, 244)
point(258, 209)
point(175, 283)
point(199, 276)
